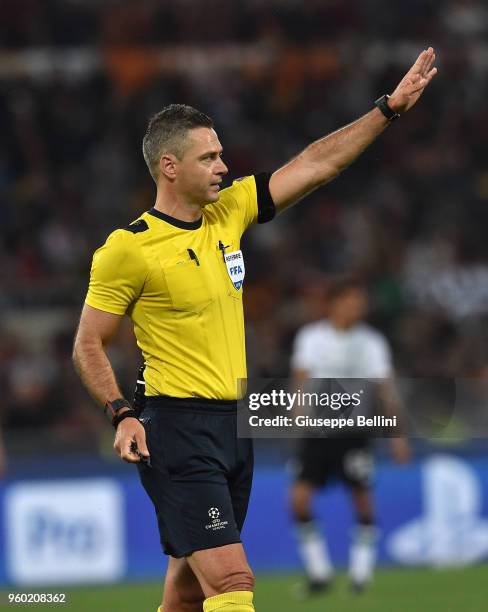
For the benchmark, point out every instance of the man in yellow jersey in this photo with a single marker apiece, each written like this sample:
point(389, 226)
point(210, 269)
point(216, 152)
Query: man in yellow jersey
point(178, 271)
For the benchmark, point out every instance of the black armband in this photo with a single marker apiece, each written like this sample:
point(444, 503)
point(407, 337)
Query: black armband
point(266, 206)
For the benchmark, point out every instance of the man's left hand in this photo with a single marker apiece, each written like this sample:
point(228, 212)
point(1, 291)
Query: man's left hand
point(413, 83)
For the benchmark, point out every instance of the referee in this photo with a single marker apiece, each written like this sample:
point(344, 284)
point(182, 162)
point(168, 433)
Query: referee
point(178, 271)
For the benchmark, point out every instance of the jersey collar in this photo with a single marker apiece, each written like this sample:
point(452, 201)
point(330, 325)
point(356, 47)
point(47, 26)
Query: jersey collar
point(187, 225)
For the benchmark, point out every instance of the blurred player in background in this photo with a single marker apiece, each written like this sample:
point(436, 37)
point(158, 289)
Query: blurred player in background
point(178, 271)
point(341, 346)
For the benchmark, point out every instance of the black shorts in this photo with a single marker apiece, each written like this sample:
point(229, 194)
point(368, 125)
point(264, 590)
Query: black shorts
point(319, 460)
point(200, 475)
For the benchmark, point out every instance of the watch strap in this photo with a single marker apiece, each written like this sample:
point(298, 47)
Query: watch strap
point(112, 408)
point(382, 104)
point(124, 415)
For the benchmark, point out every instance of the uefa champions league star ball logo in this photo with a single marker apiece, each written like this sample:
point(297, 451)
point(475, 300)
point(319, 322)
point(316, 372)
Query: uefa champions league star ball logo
point(216, 524)
point(213, 513)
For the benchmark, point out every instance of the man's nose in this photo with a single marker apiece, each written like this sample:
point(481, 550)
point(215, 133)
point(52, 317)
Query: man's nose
point(222, 168)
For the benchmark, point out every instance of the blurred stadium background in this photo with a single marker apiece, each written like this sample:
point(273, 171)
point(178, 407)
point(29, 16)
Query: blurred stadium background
point(78, 81)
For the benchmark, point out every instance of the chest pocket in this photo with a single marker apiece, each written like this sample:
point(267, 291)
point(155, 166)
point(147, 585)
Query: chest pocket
point(188, 286)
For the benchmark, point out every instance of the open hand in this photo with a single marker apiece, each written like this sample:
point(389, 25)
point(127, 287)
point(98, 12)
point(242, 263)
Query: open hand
point(414, 82)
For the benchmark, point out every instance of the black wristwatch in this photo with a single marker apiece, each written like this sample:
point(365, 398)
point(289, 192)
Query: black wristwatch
point(382, 104)
point(113, 411)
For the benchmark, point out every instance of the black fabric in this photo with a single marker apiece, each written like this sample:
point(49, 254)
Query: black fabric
point(188, 225)
point(200, 475)
point(137, 227)
point(266, 207)
point(319, 460)
point(192, 403)
point(139, 397)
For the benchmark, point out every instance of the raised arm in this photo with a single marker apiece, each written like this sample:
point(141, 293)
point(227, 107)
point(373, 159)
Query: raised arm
point(95, 331)
point(326, 158)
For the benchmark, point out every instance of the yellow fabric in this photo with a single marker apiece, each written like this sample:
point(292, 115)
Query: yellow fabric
point(237, 601)
point(188, 318)
point(160, 609)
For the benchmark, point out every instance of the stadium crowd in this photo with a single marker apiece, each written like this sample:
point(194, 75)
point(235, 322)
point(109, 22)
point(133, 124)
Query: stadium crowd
point(409, 217)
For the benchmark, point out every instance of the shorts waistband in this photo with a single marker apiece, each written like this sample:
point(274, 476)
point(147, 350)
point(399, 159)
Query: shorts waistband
point(193, 404)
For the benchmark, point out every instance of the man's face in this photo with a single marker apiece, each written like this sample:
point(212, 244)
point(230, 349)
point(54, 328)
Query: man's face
point(200, 171)
point(349, 307)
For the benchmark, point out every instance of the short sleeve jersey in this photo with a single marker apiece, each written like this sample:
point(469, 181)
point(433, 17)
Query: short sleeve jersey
point(324, 351)
point(170, 277)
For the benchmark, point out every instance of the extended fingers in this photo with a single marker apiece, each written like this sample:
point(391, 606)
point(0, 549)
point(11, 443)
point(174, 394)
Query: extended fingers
point(431, 74)
point(430, 59)
point(420, 61)
point(414, 82)
point(427, 57)
point(424, 62)
point(417, 83)
point(424, 80)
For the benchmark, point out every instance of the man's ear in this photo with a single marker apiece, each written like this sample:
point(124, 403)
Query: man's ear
point(167, 165)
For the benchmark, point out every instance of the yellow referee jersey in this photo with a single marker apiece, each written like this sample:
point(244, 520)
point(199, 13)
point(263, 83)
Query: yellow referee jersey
point(174, 279)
